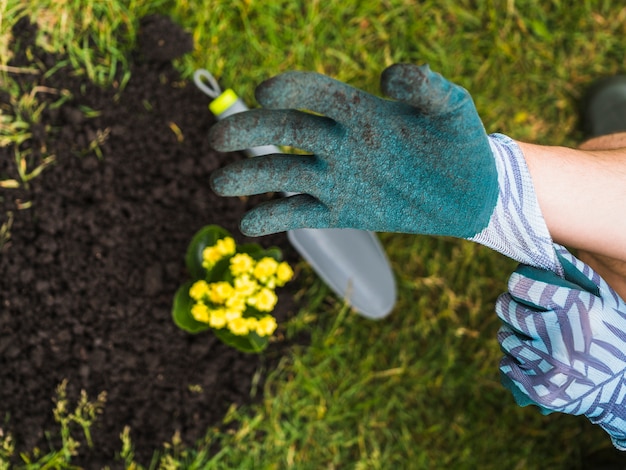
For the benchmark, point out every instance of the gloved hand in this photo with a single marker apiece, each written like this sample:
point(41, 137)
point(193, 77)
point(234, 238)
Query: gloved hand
point(565, 344)
point(420, 163)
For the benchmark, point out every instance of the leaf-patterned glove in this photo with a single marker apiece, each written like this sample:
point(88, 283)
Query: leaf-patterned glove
point(565, 344)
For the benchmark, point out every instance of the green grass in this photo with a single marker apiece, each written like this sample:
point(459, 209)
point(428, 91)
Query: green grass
point(525, 63)
point(419, 389)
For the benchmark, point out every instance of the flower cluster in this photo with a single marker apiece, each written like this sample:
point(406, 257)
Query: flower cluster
point(231, 290)
point(241, 300)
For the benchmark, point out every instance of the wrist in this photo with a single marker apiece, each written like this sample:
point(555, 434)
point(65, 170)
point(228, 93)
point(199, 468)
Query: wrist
point(582, 195)
point(517, 228)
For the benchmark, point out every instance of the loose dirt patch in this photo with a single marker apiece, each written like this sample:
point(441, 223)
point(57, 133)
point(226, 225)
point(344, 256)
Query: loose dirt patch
point(88, 278)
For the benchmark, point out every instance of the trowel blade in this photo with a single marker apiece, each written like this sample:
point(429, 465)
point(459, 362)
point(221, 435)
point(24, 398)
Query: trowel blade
point(353, 264)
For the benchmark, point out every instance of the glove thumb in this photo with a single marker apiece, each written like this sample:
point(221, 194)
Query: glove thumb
point(422, 88)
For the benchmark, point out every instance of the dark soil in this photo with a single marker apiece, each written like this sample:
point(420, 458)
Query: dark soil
point(87, 280)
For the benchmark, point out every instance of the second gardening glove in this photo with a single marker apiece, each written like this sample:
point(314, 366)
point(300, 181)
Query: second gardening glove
point(564, 340)
point(418, 163)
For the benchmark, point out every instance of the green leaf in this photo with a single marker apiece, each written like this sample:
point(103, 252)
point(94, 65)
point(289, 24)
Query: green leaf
point(220, 271)
point(252, 312)
point(274, 252)
point(181, 311)
point(206, 236)
point(252, 343)
point(251, 249)
point(257, 252)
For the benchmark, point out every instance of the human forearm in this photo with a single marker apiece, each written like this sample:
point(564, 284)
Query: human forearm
point(582, 195)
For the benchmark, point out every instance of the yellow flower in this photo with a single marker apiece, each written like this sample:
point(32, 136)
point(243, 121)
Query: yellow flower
point(284, 273)
point(245, 286)
point(200, 312)
point(238, 326)
point(220, 291)
point(270, 283)
point(217, 318)
point(231, 315)
point(264, 301)
point(225, 246)
point(222, 248)
point(236, 302)
point(199, 290)
point(266, 326)
point(253, 323)
point(265, 268)
point(210, 256)
point(241, 263)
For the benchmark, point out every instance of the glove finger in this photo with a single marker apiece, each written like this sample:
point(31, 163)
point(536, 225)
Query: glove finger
point(422, 88)
point(521, 318)
point(267, 174)
point(543, 290)
point(300, 211)
point(259, 127)
point(520, 384)
point(537, 357)
point(551, 390)
point(518, 347)
point(547, 333)
point(315, 92)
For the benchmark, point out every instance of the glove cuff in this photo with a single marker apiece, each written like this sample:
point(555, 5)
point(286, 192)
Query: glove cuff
point(517, 228)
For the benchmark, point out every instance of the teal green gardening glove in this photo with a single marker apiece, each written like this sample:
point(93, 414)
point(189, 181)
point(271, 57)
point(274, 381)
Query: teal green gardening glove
point(564, 340)
point(418, 163)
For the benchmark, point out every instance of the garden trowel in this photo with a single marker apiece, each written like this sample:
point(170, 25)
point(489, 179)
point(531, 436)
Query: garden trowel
point(351, 262)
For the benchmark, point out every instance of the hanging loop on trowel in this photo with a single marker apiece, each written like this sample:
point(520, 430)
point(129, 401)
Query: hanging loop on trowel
point(207, 83)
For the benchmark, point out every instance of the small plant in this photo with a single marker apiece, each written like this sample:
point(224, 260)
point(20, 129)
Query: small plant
point(84, 415)
point(232, 290)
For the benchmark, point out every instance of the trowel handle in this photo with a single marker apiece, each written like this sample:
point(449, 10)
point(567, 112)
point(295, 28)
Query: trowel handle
point(227, 104)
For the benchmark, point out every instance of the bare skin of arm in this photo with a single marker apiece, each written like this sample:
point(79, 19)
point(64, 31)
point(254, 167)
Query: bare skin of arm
point(582, 195)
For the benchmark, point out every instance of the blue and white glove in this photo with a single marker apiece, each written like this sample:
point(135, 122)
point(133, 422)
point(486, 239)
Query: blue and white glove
point(565, 344)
